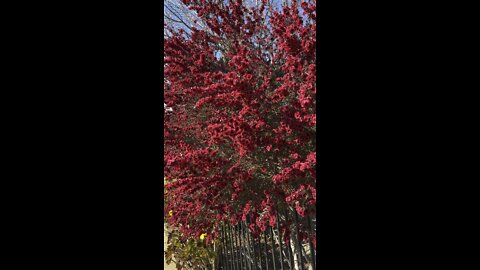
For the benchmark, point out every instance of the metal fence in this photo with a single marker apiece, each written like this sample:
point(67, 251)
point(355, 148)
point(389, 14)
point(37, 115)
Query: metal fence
point(238, 248)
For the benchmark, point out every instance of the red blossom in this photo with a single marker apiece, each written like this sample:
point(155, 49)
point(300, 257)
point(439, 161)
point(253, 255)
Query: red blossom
point(241, 133)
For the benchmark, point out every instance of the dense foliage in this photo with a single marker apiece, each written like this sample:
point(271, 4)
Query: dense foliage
point(189, 254)
point(240, 136)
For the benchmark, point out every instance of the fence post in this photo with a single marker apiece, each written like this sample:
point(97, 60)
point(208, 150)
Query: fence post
point(246, 248)
point(273, 248)
point(280, 242)
point(289, 248)
point(265, 249)
point(225, 253)
point(252, 246)
point(312, 250)
point(231, 245)
point(242, 256)
point(239, 256)
point(259, 251)
point(300, 256)
point(220, 252)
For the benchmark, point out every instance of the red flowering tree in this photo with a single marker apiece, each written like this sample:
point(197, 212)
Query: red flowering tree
point(240, 133)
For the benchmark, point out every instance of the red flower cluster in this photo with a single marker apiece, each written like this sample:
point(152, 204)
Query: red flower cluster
point(240, 141)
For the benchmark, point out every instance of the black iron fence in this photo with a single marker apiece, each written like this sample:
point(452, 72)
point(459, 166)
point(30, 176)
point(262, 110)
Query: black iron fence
point(239, 250)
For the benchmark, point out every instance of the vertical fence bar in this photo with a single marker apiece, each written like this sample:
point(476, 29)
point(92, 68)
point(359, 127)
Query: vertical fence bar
point(239, 248)
point(221, 259)
point(312, 250)
point(259, 252)
point(273, 248)
point(231, 245)
point(290, 255)
point(289, 248)
point(243, 245)
point(265, 249)
point(252, 247)
point(218, 259)
point(225, 252)
point(280, 242)
point(242, 256)
point(227, 246)
point(237, 254)
point(234, 266)
point(314, 228)
point(240, 241)
point(221, 265)
point(247, 246)
point(299, 244)
point(237, 257)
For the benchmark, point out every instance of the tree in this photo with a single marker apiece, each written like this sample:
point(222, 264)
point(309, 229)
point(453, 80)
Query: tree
point(241, 135)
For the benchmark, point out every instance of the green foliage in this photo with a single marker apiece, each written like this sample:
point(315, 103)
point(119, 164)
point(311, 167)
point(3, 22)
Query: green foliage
point(191, 254)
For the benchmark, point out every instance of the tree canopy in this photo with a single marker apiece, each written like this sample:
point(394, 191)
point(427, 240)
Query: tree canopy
point(240, 130)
